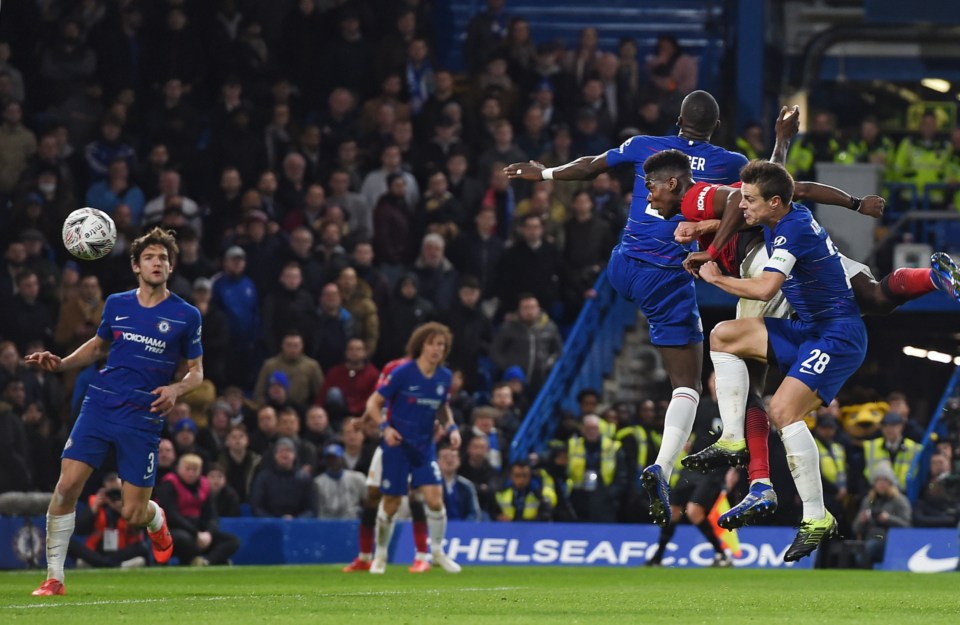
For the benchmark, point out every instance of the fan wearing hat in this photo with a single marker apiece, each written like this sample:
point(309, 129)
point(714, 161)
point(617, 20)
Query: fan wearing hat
point(340, 491)
point(891, 448)
point(883, 507)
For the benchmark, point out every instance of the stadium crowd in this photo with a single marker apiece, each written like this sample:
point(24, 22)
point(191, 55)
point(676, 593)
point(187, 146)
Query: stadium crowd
point(332, 187)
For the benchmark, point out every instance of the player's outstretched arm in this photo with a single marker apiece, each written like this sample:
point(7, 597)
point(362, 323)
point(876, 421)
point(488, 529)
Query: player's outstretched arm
point(788, 125)
point(90, 352)
point(167, 395)
point(689, 231)
point(869, 205)
point(762, 288)
point(583, 168)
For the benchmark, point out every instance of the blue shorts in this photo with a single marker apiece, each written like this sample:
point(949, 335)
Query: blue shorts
point(136, 448)
point(666, 297)
point(821, 355)
point(405, 463)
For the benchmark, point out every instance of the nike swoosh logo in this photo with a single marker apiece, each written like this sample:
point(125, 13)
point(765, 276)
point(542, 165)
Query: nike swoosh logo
point(119, 318)
point(807, 372)
point(147, 476)
point(921, 562)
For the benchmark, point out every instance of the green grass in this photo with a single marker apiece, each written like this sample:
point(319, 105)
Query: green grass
point(494, 595)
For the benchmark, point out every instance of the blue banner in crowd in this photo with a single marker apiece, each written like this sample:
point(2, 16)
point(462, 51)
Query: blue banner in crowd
point(309, 541)
point(921, 550)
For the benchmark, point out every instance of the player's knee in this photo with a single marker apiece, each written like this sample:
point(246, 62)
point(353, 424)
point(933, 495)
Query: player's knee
point(134, 513)
point(695, 513)
point(722, 337)
point(390, 505)
point(68, 491)
point(780, 413)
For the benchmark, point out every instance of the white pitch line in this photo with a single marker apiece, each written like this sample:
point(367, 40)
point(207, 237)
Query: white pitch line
point(371, 593)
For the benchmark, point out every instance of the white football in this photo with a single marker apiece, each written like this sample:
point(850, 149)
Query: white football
point(89, 233)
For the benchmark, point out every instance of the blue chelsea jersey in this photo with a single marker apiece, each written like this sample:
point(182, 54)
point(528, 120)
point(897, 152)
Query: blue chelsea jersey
point(648, 236)
point(816, 286)
point(413, 400)
point(146, 346)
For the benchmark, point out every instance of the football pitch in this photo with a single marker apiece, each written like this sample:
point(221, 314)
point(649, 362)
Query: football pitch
point(495, 595)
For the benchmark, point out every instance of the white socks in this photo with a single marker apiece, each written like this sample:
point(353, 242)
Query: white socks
point(384, 533)
point(733, 385)
point(156, 521)
point(59, 531)
point(437, 528)
point(804, 461)
point(677, 425)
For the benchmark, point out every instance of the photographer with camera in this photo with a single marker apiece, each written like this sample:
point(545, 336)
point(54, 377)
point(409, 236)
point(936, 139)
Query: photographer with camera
point(110, 542)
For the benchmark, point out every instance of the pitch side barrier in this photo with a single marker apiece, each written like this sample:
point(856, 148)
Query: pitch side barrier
point(310, 541)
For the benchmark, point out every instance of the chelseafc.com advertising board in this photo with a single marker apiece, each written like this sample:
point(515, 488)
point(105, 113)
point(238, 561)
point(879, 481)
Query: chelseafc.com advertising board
point(310, 541)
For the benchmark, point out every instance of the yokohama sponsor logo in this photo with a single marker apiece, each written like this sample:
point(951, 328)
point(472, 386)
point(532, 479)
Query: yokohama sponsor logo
point(156, 346)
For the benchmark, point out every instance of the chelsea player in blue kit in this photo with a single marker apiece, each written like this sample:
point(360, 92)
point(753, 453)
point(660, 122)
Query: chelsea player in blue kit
point(415, 394)
point(647, 268)
point(817, 351)
point(145, 334)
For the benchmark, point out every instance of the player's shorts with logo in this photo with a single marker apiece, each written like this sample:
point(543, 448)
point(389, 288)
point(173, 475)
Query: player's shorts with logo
point(136, 447)
point(405, 464)
point(821, 355)
point(666, 297)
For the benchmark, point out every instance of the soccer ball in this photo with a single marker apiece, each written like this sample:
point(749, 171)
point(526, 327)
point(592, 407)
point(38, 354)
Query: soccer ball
point(89, 233)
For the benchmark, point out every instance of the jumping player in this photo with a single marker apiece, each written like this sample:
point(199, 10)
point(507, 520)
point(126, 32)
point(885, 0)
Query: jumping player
point(145, 334)
point(413, 393)
point(646, 267)
point(368, 518)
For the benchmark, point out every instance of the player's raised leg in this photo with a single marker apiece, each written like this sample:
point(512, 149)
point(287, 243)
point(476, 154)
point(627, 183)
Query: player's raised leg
point(730, 343)
point(683, 364)
point(61, 517)
point(790, 403)
point(946, 274)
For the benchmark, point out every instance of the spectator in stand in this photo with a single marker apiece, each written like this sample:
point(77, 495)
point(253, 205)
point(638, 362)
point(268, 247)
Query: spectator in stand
point(883, 507)
point(263, 249)
point(459, 493)
point(358, 211)
point(288, 426)
point(266, 433)
point(17, 146)
point(438, 278)
point(530, 265)
point(64, 64)
point(216, 338)
point(348, 385)
point(472, 329)
point(340, 491)
point(226, 502)
point(192, 516)
point(392, 225)
point(240, 464)
point(99, 155)
point(463, 186)
point(377, 182)
point(750, 143)
point(192, 263)
point(818, 145)
point(922, 159)
point(289, 307)
point(357, 300)
point(552, 213)
point(109, 541)
point(478, 251)
point(891, 448)
point(939, 502)
point(330, 250)
point(334, 327)
point(166, 457)
point(171, 191)
point(582, 61)
point(476, 468)
point(26, 318)
point(357, 453)
point(317, 428)
point(607, 203)
point(483, 423)
point(300, 251)
point(173, 122)
point(502, 400)
point(486, 32)
point(79, 315)
point(407, 310)
point(531, 341)
point(522, 498)
point(587, 248)
point(116, 188)
point(672, 72)
point(45, 444)
point(596, 472)
point(898, 404)
point(363, 263)
point(213, 435)
point(184, 432)
point(235, 294)
point(503, 150)
point(282, 491)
